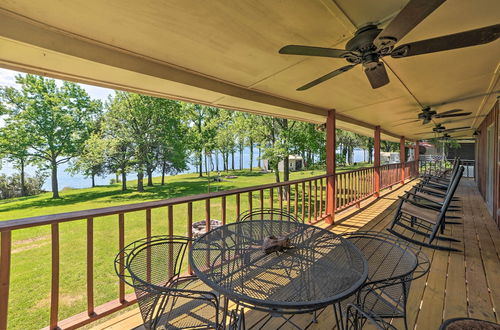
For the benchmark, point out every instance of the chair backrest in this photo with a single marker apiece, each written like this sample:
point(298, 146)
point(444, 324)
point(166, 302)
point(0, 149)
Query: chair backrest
point(446, 203)
point(381, 282)
point(150, 265)
point(268, 214)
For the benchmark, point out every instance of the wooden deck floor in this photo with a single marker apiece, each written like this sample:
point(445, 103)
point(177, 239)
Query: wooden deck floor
point(459, 284)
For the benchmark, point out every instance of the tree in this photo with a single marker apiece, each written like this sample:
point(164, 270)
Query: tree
point(92, 160)
point(203, 132)
point(145, 129)
point(368, 144)
point(348, 141)
point(14, 146)
point(57, 120)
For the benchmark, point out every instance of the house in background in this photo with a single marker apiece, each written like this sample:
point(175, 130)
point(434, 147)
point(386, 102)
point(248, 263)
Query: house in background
point(295, 163)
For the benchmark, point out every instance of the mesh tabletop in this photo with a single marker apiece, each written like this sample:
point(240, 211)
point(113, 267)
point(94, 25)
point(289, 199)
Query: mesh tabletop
point(319, 269)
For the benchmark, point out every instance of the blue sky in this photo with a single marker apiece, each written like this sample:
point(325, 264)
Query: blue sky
point(7, 78)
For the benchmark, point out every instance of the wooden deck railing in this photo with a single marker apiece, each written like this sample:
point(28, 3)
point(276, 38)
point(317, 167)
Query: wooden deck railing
point(305, 197)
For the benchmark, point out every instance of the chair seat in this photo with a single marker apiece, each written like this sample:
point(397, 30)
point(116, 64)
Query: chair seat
point(420, 212)
point(187, 312)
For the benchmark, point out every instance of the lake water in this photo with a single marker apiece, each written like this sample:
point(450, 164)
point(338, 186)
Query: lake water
point(79, 181)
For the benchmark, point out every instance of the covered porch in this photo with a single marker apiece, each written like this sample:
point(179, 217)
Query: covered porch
point(226, 55)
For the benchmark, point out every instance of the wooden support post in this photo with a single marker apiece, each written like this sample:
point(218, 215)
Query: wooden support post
point(376, 162)
point(417, 158)
point(402, 158)
point(5, 253)
point(330, 167)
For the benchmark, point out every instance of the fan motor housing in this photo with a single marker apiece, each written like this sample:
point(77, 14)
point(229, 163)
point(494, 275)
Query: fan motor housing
point(363, 39)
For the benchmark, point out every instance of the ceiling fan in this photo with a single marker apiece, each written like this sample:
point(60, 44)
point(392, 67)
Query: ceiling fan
point(439, 128)
point(428, 114)
point(370, 44)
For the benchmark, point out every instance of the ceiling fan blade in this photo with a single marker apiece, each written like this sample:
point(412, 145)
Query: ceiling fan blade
point(377, 75)
point(458, 120)
point(451, 41)
point(326, 77)
point(450, 111)
point(313, 51)
point(452, 115)
point(407, 122)
point(457, 129)
point(409, 17)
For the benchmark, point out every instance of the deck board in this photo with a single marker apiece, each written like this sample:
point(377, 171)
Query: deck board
point(459, 283)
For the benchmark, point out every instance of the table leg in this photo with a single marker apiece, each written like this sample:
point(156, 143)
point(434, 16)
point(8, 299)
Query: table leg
point(339, 318)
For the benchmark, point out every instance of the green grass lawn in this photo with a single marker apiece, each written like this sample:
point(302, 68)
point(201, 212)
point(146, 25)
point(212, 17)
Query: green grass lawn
point(31, 263)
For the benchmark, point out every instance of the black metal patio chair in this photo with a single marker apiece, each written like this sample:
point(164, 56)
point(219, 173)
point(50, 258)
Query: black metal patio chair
point(413, 220)
point(167, 300)
point(393, 264)
point(468, 324)
point(431, 198)
point(357, 318)
point(268, 214)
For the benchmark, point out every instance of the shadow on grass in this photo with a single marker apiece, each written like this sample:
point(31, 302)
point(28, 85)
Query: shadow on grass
point(189, 186)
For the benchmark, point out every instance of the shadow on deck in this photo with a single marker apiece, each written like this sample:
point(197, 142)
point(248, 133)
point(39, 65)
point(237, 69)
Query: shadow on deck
point(459, 284)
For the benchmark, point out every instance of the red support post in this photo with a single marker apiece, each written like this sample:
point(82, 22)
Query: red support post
point(330, 167)
point(376, 161)
point(416, 152)
point(402, 158)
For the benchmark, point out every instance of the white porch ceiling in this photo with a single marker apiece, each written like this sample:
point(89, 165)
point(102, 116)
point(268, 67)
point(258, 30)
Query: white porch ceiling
point(225, 53)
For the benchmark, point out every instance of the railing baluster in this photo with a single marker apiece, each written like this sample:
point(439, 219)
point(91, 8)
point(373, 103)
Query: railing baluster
point(54, 288)
point(271, 196)
point(309, 190)
point(121, 245)
point(148, 251)
point(296, 201)
point(315, 200)
point(5, 254)
point(250, 201)
point(303, 201)
point(288, 198)
point(238, 211)
point(171, 265)
point(280, 197)
point(223, 209)
point(90, 266)
point(261, 197)
point(190, 224)
point(321, 198)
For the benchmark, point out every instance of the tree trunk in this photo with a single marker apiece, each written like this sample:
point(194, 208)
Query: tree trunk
point(241, 156)
point(232, 160)
point(117, 178)
point(251, 154)
point(260, 160)
point(55, 184)
point(124, 180)
point(200, 165)
point(93, 180)
point(217, 161)
point(206, 164)
point(23, 184)
point(150, 177)
point(276, 173)
point(140, 181)
point(163, 168)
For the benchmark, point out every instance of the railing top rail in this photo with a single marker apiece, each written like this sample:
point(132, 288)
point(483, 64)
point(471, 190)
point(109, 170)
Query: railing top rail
point(79, 215)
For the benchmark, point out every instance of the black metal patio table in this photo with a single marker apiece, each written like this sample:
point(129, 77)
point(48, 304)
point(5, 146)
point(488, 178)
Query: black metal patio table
point(319, 269)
